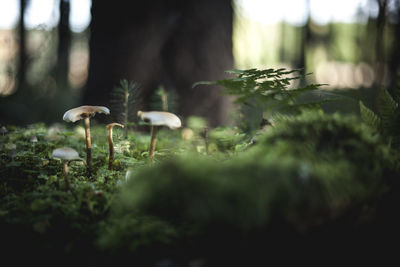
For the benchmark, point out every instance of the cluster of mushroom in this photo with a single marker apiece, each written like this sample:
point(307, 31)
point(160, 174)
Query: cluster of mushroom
point(154, 118)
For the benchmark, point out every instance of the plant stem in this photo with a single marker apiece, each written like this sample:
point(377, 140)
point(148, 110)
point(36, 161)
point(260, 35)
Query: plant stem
point(88, 146)
point(206, 139)
point(126, 103)
point(164, 99)
point(152, 142)
point(111, 149)
point(65, 163)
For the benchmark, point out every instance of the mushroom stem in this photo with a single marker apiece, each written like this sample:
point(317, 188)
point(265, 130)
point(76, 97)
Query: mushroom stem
point(88, 145)
point(65, 163)
point(152, 141)
point(111, 148)
point(111, 144)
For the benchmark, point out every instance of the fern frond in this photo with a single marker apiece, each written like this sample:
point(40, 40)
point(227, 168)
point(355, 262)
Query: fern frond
point(387, 103)
point(268, 90)
point(369, 117)
point(396, 93)
point(388, 108)
point(264, 87)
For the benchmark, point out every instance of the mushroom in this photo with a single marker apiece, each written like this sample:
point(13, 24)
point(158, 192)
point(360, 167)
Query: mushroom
point(33, 140)
point(158, 118)
point(3, 130)
point(66, 154)
point(85, 112)
point(110, 143)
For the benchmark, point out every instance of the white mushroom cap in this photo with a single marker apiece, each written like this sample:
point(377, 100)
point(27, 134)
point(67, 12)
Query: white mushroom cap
point(65, 153)
point(158, 118)
point(82, 112)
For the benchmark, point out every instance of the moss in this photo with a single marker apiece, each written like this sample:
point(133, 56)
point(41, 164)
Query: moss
point(304, 175)
point(305, 178)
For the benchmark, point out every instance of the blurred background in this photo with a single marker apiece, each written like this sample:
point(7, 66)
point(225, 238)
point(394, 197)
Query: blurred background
point(58, 54)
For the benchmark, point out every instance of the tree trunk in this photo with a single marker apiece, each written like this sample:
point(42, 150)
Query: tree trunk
point(395, 57)
point(64, 43)
point(304, 42)
point(170, 43)
point(282, 46)
point(379, 48)
point(22, 47)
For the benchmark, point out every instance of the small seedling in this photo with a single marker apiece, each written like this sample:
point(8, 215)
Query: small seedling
point(125, 100)
point(165, 100)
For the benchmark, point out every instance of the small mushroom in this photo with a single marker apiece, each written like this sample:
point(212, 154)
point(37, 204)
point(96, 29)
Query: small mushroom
point(66, 154)
point(85, 113)
point(3, 130)
point(110, 142)
point(33, 140)
point(158, 118)
point(54, 132)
